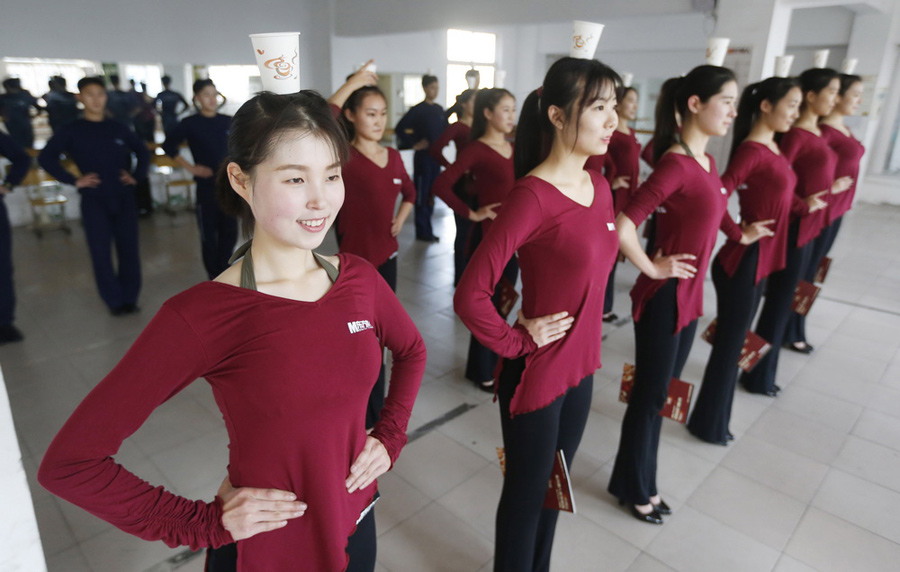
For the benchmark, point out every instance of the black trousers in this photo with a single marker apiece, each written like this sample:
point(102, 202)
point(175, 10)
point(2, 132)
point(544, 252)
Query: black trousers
point(7, 292)
point(776, 312)
point(524, 529)
point(482, 362)
point(110, 219)
point(361, 547)
point(388, 271)
point(218, 231)
point(425, 171)
point(737, 299)
point(610, 290)
point(821, 246)
point(660, 355)
point(466, 239)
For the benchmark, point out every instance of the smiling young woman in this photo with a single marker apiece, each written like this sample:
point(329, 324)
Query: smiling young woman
point(559, 219)
point(291, 343)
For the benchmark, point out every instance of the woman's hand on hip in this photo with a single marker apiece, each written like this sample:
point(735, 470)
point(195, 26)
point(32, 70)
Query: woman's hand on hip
point(371, 463)
point(547, 329)
point(247, 511)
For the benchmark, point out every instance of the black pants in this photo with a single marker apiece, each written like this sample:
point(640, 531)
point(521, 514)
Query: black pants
point(143, 196)
point(737, 299)
point(465, 242)
point(660, 355)
point(425, 171)
point(482, 362)
point(524, 529)
point(388, 271)
point(610, 290)
point(650, 231)
point(776, 312)
point(7, 292)
point(110, 219)
point(361, 547)
point(218, 231)
point(796, 331)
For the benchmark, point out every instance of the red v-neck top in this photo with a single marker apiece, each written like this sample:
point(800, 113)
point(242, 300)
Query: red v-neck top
point(458, 133)
point(849, 152)
point(765, 185)
point(492, 178)
point(625, 154)
point(813, 162)
point(292, 380)
point(690, 206)
point(370, 199)
point(566, 251)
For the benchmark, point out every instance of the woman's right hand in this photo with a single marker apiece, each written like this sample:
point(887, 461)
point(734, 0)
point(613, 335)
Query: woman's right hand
point(89, 181)
point(484, 212)
point(547, 329)
point(672, 266)
point(621, 182)
point(202, 171)
point(815, 202)
point(841, 185)
point(248, 511)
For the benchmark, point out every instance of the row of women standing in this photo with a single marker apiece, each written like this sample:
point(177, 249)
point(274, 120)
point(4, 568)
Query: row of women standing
point(301, 464)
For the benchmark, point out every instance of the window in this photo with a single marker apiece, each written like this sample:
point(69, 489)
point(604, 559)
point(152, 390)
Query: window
point(34, 73)
point(237, 83)
point(465, 51)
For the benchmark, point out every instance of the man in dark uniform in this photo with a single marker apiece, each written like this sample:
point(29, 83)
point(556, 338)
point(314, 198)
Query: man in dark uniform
point(15, 105)
point(122, 106)
point(14, 175)
point(102, 150)
point(62, 106)
point(167, 101)
point(418, 129)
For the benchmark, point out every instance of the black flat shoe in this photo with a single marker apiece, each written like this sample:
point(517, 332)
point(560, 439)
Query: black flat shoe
point(776, 388)
point(729, 437)
point(611, 317)
point(800, 347)
point(723, 443)
point(662, 508)
point(487, 386)
point(653, 517)
point(10, 334)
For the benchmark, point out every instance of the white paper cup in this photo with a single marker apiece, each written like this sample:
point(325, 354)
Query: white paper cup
point(783, 65)
point(820, 58)
point(627, 78)
point(849, 65)
point(278, 58)
point(716, 50)
point(585, 38)
point(471, 81)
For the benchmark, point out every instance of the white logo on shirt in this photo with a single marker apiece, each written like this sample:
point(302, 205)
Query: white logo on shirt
point(119, 142)
point(610, 226)
point(661, 209)
point(398, 182)
point(724, 192)
point(359, 326)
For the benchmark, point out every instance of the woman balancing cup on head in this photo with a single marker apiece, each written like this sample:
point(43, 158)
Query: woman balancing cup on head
point(460, 133)
point(814, 162)
point(489, 161)
point(690, 201)
point(559, 218)
point(374, 177)
point(290, 342)
point(765, 182)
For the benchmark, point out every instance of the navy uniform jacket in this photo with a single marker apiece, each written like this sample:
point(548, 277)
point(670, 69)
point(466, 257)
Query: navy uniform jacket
point(422, 121)
point(102, 147)
point(20, 160)
point(121, 105)
point(207, 138)
point(62, 108)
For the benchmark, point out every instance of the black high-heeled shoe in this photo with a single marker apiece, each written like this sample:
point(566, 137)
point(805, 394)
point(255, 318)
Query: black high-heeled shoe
point(662, 507)
point(653, 517)
point(800, 347)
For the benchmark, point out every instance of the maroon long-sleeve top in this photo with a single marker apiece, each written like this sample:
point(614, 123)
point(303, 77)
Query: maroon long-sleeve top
point(625, 154)
point(690, 205)
point(459, 133)
point(566, 251)
point(492, 177)
point(765, 185)
point(370, 199)
point(849, 152)
point(813, 162)
point(292, 380)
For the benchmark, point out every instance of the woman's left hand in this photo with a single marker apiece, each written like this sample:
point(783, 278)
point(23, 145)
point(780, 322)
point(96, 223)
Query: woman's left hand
point(373, 462)
point(840, 185)
point(754, 231)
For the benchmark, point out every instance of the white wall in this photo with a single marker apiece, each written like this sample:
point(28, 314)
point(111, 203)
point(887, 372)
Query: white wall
point(166, 31)
point(20, 542)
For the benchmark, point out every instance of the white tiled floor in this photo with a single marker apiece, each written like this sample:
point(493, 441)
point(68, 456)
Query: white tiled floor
point(811, 483)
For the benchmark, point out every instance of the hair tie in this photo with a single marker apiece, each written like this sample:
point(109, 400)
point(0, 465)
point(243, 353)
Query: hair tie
point(540, 91)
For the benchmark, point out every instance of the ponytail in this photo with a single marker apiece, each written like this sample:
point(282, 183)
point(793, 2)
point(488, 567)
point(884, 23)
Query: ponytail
point(703, 81)
point(461, 100)
point(571, 84)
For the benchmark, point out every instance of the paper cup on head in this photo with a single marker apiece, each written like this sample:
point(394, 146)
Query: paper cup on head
point(820, 58)
point(278, 58)
point(783, 66)
point(627, 78)
point(849, 65)
point(585, 38)
point(716, 50)
point(471, 81)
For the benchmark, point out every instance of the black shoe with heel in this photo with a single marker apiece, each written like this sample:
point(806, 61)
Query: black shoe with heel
point(653, 517)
